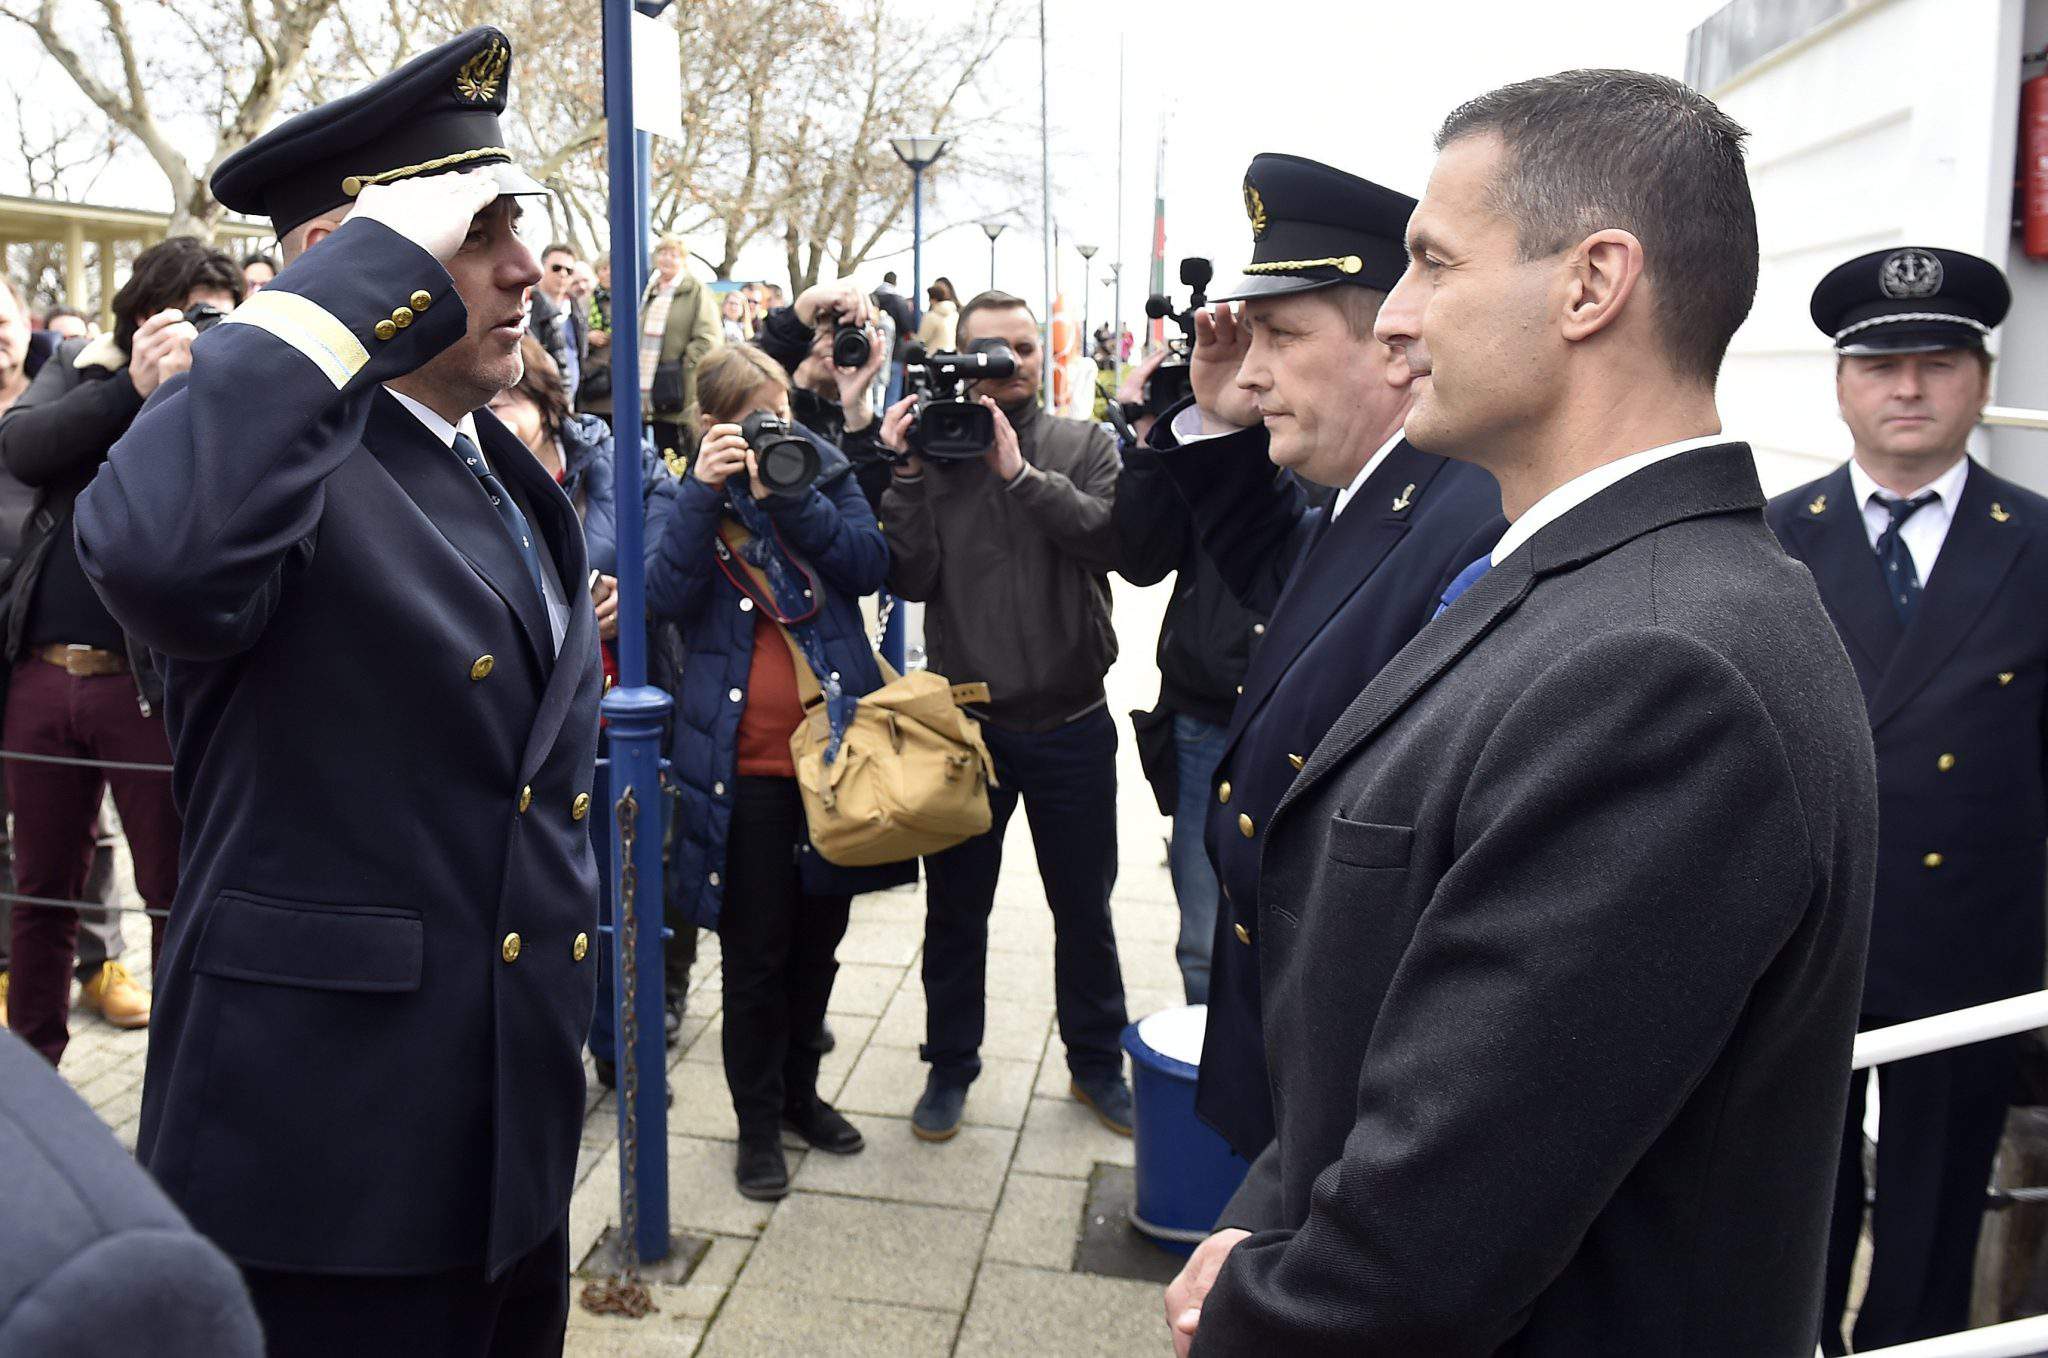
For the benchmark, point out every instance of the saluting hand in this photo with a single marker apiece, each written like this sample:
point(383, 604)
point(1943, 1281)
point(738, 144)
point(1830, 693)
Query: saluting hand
point(433, 213)
point(1222, 339)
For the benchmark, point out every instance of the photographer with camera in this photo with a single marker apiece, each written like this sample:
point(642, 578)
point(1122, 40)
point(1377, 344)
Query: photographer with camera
point(762, 563)
point(998, 519)
point(79, 682)
point(828, 344)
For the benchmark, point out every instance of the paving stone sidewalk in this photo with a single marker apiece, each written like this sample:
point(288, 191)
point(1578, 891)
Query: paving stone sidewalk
point(907, 1249)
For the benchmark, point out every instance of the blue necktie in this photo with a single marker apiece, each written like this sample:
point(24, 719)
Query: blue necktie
point(508, 512)
point(1901, 577)
point(1466, 579)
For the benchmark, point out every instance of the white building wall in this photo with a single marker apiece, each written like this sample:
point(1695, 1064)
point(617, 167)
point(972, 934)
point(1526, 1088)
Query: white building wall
point(1894, 123)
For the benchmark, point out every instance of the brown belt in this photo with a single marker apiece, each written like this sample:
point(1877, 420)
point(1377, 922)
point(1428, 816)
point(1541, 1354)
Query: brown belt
point(82, 662)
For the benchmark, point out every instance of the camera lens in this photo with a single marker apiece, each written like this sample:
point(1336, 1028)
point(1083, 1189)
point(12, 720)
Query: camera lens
point(851, 347)
point(788, 461)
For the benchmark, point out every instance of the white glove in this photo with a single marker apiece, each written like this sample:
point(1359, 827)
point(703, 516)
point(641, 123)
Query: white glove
point(433, 213)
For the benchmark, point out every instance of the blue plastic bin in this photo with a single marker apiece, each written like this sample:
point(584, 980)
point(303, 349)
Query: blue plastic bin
point(1186, 1172)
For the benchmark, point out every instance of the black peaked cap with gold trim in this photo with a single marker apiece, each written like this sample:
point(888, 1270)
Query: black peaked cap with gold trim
point(1314, 225)
point(436, 114)
point(1910, 300)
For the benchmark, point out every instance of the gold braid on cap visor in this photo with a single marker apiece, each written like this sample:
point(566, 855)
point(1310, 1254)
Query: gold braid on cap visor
point(356, 183)
point(1342, 263)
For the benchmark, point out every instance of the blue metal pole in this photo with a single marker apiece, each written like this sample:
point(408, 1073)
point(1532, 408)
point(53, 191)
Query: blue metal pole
point(634, 710)
point(895, 633)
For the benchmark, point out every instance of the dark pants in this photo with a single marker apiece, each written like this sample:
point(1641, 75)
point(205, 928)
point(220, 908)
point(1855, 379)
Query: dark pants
point(777, 949)
point(457, 1314)
point(1940, 1122)
point(1067, 779)
point(55, 809)
point(99, 931)
point(1198, 748)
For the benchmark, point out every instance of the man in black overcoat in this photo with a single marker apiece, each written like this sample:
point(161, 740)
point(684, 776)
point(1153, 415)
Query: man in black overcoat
point(1290, 387)
point(1935, 572)
point(1563, 922)
point(365, 1080)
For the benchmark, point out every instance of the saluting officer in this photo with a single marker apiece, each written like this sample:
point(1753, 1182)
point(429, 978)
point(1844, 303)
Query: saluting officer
point(1934, 571)
point(366, 1082)
point(1291, 380)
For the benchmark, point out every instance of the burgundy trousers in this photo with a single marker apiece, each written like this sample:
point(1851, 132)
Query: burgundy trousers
point(50, 712)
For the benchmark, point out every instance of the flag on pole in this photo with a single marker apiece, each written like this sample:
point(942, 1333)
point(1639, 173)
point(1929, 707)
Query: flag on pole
point(1157, 329)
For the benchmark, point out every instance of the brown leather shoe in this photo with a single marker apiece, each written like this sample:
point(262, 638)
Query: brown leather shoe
point(112, 993)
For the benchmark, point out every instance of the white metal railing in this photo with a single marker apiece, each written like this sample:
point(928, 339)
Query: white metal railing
point(1959, 1028)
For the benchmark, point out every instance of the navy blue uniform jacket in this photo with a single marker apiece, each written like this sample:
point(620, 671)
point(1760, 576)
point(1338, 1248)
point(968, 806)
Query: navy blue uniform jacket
point(1956, 707)
point(1344, 596)
point(381, 961)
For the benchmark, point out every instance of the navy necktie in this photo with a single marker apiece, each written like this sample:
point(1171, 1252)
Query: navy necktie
point(1466, 579)
point(1901, 577)
point(508, 512)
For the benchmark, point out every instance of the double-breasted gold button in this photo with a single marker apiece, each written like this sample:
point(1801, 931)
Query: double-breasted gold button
point(509, 949)
point(1932, 860)
point(580, 948)
point(384, 330)
point(1223, 793)
point(525, 798)
point(580, 808)
point(1945, 763)
point(420, 300)
point(401, 317)
point(480, 669)
point(1244, 935)
point(1245, 827)
point(1297, 762)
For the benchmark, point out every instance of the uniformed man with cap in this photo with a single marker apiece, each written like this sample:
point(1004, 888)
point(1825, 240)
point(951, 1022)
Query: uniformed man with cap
point(1288, 384)
point(365, 1081)
point(1934, 571)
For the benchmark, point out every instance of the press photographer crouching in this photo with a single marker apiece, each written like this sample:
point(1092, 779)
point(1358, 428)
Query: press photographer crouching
point(998, 519)
point(79, 682)
point(832, 353)
point(766, 587)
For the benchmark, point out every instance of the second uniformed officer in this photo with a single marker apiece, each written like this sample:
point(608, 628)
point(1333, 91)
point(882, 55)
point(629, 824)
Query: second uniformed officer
point(1934, 571)
point(1293, 376)
point(365, 1082)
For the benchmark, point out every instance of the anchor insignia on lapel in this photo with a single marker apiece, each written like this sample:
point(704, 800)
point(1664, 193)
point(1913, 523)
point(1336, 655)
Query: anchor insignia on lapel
point(1405, 499)
point(1819, 505)
point(1999, 513)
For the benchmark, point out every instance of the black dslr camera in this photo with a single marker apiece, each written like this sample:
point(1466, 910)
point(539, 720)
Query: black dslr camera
point(788, 461)
point(1171, 382)
point(851, 347)
point(204, 316)
point(947, 424)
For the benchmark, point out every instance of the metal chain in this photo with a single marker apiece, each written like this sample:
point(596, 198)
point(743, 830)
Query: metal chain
point(883, 611)
point(623, 1293)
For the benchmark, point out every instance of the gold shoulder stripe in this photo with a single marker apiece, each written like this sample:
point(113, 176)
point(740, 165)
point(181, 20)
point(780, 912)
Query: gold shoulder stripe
point(307, 327)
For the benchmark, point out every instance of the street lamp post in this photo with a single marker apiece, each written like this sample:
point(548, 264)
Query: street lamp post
point(1087, 253)
point(1116, 310)
point(918, 153)
point(993, 229)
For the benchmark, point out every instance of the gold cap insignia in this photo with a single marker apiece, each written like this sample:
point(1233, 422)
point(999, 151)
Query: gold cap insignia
point(1999, 513)
point(1255, 208)
point(477, 81)
point(1819, 505)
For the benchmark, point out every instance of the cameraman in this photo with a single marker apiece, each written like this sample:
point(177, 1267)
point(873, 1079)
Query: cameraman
point(834, 403)
point(79, 683)
point(1011, 553)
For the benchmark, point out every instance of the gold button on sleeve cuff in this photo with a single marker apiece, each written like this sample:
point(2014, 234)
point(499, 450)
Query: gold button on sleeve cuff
point(481, 669)
point(525, 798)
point(580, 808)
point(2004, 677)
point(420, 300)
point(1245, 827)
point(509, 950)
point(384, 330)
point(1933, 860)
point(402, 317)
point(580, 948)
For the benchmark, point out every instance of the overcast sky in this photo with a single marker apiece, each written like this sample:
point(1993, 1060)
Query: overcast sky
point(1361, 86)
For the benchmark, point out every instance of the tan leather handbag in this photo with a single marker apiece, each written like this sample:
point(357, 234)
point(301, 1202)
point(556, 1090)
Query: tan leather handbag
point(912, 774)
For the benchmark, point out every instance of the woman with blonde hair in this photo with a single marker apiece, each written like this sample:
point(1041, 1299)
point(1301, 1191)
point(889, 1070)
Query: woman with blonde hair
point(763, 585)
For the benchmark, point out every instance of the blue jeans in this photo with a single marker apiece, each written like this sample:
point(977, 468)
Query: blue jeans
point(1198, 747)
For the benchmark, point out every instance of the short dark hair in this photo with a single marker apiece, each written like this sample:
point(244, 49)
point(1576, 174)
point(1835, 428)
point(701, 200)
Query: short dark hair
point(989, 301)
point(889, 277)
point(60, 311)
point(1596, 149)
point(165, 275)
point(260, 258)
point(560, 248)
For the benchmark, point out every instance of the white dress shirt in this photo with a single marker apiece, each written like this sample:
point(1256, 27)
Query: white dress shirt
point(1585, 486)
point(1188, 428)
point(558, 607)
point(1924, 533)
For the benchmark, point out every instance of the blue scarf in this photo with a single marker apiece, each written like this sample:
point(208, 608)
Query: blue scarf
point(788, 579)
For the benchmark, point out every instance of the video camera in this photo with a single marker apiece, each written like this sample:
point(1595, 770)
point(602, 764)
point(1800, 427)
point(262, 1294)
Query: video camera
point(1171, 382)
point(946, 424)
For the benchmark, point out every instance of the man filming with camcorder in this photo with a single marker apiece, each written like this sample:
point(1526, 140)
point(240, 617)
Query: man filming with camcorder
point(998, 519)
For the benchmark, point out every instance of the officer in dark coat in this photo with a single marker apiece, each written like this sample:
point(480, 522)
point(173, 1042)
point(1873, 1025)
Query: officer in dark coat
point(1934, 571)
point(1346, 586)
point(365, 1081)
